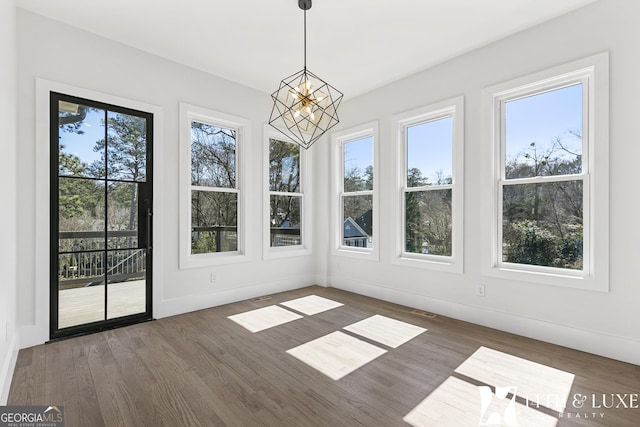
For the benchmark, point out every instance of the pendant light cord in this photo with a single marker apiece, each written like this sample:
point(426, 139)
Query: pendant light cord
point(305, 39)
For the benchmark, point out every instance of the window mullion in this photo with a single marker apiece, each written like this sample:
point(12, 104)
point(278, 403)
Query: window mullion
point(358, 193)
point(545, 179)
point(284, 193)
point(215, 189)
point(429, 188)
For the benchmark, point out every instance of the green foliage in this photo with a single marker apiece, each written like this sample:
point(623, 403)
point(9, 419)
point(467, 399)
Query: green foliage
point(427, 216)
point(413, 224)
point(126, 145)
point(214, 218)
point(527, 242)
point(204, 243)
point(543, 222)
point(428, 222)
point(356, 206)
point(284, 176)
point(77, 197)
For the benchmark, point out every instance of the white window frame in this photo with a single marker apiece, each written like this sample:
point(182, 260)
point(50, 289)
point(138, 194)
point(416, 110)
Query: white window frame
point(306, 210)
point(593, 73)
point(188, 114)
point(453, 108)
point(338, 140)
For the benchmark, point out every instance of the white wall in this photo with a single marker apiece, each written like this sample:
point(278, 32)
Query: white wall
point(605, 324)
point(8, 283)
point(56, 52)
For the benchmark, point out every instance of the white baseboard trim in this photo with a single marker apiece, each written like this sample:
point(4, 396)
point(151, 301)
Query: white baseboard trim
point(321, 281)
point(31, 335)
point(172, 307)
point(8, 366)
point(614, 347)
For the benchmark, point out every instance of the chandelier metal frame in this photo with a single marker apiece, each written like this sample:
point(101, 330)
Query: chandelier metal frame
point(305, 106)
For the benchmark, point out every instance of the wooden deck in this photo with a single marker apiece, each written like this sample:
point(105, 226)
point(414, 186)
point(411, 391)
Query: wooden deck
point(85, 305)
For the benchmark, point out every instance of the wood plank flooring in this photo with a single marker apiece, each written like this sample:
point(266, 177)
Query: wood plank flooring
point(202, 369)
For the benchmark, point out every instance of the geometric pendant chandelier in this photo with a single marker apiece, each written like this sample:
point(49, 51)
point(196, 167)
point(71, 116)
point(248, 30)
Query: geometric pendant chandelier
point(304, 106)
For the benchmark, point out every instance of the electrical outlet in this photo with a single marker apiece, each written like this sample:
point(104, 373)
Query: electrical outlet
point(480, 290)
point(213, 278)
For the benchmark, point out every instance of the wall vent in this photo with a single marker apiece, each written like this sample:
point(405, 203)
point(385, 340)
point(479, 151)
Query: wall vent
point(424, 314)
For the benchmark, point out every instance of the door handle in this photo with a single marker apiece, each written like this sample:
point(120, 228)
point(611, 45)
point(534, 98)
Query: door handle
point(149, 215)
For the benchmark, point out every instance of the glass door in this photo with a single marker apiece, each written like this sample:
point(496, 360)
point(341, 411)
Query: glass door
point(101, 216)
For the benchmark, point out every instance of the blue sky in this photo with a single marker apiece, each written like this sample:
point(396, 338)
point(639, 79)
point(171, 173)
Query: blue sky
point(358, 153)
point(542, 118)
point(539, 118)
point(82, 145)
point(430, 148)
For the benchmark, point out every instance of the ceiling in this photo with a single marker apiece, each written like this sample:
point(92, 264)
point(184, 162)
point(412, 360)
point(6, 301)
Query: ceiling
point(355, 45)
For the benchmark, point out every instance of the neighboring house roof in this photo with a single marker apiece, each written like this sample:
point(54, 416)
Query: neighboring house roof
point(365, 221)
point(287, 224)
point(352, 229)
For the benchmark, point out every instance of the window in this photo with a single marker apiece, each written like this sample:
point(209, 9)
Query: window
point(430, 142)
point(285, 194)
point(285, 204)
point(549, 142)
point(542, 186)
point(214, 190)
point(356, 186)
point(211, 199)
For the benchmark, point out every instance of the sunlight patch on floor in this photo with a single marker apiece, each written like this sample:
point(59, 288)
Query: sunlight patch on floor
point(311, 304)
point(538, 383)
point(385, 330)
point(264, 318)
point(336, 354)
point(458, 403)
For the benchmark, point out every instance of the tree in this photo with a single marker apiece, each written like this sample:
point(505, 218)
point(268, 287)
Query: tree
point(542, 222)
point(414, 226)
point(213, 156)
point(214, 213)
point(76, 197)
point(126, 159)
point(428, 214)
point(284, 176)
point(355, 206)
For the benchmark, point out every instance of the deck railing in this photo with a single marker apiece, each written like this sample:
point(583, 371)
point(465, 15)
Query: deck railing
point(89, 265)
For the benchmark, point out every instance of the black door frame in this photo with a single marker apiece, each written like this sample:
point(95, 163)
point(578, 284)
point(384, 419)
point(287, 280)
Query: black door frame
point(145, 222)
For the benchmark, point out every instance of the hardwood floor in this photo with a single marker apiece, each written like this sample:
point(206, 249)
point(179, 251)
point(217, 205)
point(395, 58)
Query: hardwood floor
point(202, 369)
